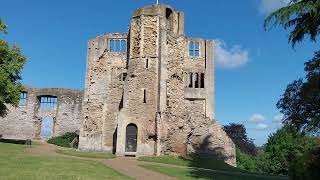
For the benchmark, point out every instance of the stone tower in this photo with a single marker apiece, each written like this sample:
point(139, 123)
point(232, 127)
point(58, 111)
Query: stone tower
point(151, 91)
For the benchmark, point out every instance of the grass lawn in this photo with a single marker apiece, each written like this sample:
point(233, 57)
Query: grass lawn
point(15, 164)
point(187, 173)
point(73, 152)
point(194, 161)
point(205, 162)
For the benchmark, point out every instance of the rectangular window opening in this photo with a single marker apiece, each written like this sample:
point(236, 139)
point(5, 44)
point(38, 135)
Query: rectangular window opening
point(23, 99)
point(194, 49)
point(144, 96)
point(118, 45)
point(196, 82)
point(147, 63)
point(202, 81)
point(190, 80)
point(48, 102)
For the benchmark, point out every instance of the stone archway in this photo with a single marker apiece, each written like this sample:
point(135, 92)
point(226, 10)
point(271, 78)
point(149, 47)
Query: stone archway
point(131, 138)
point(47, 125)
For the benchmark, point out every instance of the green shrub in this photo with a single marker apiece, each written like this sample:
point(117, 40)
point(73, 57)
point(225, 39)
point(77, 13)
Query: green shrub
point(247, 162)
point(306, 167)
point(64, 140)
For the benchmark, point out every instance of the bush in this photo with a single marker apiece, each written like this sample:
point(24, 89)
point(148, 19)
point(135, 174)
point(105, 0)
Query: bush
point(306, 167)
point(64, 140)
point(247, 162)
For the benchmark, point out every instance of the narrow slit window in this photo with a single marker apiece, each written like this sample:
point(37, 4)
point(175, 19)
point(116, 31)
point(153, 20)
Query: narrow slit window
point(48, 102)
point(194, 49)
point(144, 96)
point(147, 63)
point(23, 99)
point(202, 80)
point(190, 80)
point(196, 81)
point(118, 45)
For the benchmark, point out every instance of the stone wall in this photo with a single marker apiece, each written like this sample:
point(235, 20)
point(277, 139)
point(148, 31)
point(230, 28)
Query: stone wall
point(171, 117)
point(24, 122)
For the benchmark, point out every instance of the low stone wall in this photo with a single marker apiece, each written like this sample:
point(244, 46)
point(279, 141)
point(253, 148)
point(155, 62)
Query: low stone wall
point(24, 122)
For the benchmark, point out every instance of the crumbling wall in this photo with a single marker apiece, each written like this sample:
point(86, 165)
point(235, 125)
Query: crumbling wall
point(142, 76)
point(103, 93)
point(24, 122)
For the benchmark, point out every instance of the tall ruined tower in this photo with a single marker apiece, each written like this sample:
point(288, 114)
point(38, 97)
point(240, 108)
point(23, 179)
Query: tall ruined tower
point(151, 91)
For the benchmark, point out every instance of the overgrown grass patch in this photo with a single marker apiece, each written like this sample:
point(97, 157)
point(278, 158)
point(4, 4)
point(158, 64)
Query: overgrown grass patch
point(15, 164)
point(191, 173)
point(73, 152)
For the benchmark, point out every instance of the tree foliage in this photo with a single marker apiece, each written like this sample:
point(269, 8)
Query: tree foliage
point(238, 134)
point(300, 103)
point(11, 64)
point(283, 148)
point(302, 16)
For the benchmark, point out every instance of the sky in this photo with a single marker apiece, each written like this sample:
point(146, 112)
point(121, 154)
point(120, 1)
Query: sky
point(253, 66)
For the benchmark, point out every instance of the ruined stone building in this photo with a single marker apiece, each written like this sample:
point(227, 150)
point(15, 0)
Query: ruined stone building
point(149, 91)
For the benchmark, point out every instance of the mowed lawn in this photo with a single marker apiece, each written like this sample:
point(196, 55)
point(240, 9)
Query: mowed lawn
point(73, 152)
point(16, 164)
point(216, 169)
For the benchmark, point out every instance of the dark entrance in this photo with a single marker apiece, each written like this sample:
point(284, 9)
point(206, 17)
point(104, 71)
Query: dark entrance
point(131, 138)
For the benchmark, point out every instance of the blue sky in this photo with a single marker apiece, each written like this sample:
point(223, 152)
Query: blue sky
point(253, 67)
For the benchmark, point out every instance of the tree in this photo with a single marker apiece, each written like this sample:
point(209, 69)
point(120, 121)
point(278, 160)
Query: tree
point(301, 15)
point(11, 64)
point(283, 148)
point(238, 134)
point(300, 103)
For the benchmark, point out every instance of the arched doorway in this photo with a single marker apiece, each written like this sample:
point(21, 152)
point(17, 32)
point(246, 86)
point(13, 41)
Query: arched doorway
point(46, 127)
point(131, 138)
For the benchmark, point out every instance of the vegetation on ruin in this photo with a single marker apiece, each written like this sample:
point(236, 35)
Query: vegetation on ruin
point(72, 152)
point(65, 140)
point(11, 64)
point(16, 164)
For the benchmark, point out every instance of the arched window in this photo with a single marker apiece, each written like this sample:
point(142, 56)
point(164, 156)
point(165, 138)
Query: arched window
point(169, 19)
point(46, 127)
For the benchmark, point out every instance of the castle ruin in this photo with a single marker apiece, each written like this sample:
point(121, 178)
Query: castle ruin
point(147, 92)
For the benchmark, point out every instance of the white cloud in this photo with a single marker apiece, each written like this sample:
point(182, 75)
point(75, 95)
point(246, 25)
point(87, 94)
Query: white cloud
point(268, 6)
point(256, 118)
point(261, 126)
point(230, 57)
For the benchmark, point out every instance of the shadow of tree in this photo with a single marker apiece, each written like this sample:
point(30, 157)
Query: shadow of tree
point(208, 156)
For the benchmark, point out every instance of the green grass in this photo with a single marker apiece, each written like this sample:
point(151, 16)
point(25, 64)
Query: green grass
point(188, 173)
point(16, 164)
point(72, 152)
point(206, 162)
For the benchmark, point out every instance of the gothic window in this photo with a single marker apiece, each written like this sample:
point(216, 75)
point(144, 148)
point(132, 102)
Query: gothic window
point(118, 45)
point(194, 49)
point(23, 99)
point(48, 102)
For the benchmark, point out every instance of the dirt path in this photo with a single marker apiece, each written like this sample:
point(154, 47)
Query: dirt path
point(124, 165)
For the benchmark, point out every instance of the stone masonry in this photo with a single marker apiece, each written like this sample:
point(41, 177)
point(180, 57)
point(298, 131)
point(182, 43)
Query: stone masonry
point(151, 91)
point(25, 121)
